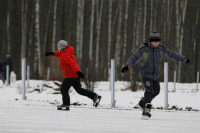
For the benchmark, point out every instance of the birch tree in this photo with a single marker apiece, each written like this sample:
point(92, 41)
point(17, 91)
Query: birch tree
point(183, 10)
point(118, 42)
point(23, 46)
point(54, 26)
point(125, 30)
point(80, 14)
point(8, 25)
point(109, 33)
point(91, 31)
point(37, 60)
point(99, 14)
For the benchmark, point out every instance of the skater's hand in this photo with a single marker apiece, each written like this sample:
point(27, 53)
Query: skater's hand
point(125, 69)
point(187, 61)
point(80, 74)
point(49, 53)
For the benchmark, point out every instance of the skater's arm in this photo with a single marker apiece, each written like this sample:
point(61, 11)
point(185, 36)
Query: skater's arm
point(57, 53)
point(171, 55)
point(137, 56)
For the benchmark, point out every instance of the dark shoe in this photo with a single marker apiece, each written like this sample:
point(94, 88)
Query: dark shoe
point(96, 100)
point(146, 112)
point(63, 107)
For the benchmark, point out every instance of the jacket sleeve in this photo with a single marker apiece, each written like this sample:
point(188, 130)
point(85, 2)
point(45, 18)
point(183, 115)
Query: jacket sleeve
point(57, 53)
point(171, 55)
point(135, 58)
point(71, 61)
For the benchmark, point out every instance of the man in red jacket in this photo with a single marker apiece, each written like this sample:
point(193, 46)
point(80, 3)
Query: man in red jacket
point(72, 75)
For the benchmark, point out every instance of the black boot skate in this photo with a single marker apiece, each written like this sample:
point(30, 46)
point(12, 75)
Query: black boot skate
point(146, 112)
point(63, 107)
point(96, 100)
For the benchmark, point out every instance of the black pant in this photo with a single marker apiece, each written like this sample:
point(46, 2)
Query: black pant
point(75, 82)
point(5, 76)
point(152, 89)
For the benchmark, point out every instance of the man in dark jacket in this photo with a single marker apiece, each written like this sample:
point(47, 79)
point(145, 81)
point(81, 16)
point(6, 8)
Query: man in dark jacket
point(1, 72)
point(148, 56)
point(72, 75)
point(8, 62)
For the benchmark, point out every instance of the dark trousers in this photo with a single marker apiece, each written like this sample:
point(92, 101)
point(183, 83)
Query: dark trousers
point(152, 89)
point(5, 76)
point(2, 77)
point(75, 82)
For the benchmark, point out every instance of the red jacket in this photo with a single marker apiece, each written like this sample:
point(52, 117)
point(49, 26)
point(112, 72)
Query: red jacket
point(68, 62)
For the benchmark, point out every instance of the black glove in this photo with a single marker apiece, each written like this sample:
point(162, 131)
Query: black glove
point(125, 69)
point(80, 74)
point(49, 53)
point(187, 61)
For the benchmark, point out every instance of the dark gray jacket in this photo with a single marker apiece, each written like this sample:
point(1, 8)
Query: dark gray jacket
point(149, 58)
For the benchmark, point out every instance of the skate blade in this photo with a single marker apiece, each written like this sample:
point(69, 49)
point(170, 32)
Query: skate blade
point(145, 117)
point(63, 108)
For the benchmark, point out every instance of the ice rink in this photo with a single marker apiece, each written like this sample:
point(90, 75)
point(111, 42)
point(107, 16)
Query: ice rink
point(46, 119)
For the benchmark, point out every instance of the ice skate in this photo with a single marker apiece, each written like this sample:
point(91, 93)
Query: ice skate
point(96, 100)
point(146, 113)
point(63, 107)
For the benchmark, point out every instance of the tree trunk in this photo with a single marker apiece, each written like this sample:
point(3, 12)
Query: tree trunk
point(109, 34)
point(80, 17)
point(144, 22)
point(91, 31)
point(23, 46)
point(37, 64)
point(125, 30)
point(99, 14)
point(118, 42)
point(54, 26)
point(183, 7)
point(8, 25)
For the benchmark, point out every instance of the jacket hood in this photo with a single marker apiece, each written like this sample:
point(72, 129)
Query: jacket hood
point(69, 50)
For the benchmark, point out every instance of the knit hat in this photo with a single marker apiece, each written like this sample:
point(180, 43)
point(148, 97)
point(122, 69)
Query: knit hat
point(154, 36)
point(62, 44)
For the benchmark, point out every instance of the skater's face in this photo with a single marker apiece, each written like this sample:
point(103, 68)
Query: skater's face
point(7, 55)
point(59, 49)
point(155, 44)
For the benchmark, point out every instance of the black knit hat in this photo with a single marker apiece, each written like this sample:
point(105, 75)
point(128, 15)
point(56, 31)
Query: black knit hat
point(154, 36)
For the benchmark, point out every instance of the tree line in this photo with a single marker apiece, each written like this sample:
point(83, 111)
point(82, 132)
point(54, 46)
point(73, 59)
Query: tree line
point(99, 30)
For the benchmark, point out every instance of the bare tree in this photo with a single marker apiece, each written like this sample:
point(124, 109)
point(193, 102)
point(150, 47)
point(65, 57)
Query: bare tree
point(99, 14)
point(118, 41)
point(8, 25)
point(37, 60)
point(91, 30)
point(109, 33)
point(54, 25)
point(23, 46)
point(183, 10)
point(80, 14)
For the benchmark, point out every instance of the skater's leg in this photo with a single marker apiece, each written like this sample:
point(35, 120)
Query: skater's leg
point(148, 83)
point(2, 77)
point(156, 88)
point(67, 83)
point(81, 91)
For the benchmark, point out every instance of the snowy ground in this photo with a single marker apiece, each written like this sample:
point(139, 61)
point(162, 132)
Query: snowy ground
point(16, 118)
point(185, 95)
point(38, 113)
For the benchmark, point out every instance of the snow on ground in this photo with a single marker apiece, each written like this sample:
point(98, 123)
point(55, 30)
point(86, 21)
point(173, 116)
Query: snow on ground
point(38, 114)
point(185, 95)
point(18, 118)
